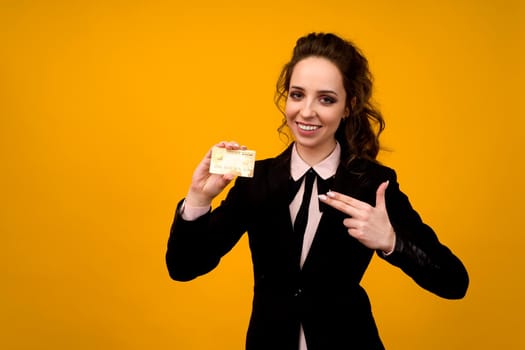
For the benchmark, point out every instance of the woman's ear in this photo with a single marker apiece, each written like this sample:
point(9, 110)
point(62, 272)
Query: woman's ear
point(353, 102)
point(348, 109)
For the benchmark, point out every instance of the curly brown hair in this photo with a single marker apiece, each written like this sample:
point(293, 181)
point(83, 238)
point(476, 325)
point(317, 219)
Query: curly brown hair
point(358, 133)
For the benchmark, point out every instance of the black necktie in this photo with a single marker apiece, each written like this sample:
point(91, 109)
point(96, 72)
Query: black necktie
point(322, 187)
point(301, 219)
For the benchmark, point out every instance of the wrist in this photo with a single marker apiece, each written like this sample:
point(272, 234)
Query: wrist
point(196, 199)
point(391, 246)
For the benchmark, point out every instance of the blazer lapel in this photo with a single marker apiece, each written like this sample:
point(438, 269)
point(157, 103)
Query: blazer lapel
point(278, 185)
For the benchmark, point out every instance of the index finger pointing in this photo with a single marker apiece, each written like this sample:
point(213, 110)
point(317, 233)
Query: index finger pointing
point(356, 203)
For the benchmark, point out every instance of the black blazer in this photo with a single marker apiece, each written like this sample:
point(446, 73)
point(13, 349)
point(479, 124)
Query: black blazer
point(324, 296)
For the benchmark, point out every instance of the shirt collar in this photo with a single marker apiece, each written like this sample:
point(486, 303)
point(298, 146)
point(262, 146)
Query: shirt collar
point(325, 168)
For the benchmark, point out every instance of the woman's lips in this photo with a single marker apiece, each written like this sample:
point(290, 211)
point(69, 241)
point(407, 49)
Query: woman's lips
point(307, 127)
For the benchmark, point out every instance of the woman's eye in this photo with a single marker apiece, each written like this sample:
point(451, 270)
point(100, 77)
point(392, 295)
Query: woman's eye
point(327, 100)
point(296, 95)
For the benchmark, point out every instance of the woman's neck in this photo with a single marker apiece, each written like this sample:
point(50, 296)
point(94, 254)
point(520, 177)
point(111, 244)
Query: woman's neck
point(314, 155)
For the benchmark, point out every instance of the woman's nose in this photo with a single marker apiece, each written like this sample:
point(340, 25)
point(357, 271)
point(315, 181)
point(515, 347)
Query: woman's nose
point(307, 109)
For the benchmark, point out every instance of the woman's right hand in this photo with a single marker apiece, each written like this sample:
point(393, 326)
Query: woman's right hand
point(206, 186)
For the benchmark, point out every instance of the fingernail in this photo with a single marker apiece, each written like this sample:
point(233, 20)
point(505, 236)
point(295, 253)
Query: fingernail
point(322, 197)
point(330, 194)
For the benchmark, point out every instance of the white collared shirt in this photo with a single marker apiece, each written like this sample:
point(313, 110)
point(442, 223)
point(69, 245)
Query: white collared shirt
point(325, 169)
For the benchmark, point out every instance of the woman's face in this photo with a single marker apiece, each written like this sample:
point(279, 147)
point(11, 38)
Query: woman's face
point(315, 105)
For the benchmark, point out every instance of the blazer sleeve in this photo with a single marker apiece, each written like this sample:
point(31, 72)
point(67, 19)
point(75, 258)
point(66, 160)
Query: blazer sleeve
point(419, 253)
point(196, 247)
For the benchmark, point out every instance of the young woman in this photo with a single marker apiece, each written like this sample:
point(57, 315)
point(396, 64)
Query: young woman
point(314, 214)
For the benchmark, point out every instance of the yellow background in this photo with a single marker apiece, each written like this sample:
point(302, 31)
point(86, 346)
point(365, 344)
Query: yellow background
point(106, 107)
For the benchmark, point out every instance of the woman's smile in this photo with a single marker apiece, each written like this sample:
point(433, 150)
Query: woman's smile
point(309, 128)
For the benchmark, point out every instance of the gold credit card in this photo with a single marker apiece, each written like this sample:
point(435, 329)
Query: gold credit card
point(237, 162)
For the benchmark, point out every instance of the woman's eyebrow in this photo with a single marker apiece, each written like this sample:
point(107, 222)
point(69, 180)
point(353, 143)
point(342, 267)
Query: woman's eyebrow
point(319, 92)
point(327, 92)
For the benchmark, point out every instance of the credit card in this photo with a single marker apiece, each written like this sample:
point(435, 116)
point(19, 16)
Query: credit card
point(237, 162)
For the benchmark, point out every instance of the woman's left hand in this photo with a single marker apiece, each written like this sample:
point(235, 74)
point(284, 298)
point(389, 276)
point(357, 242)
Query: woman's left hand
point(369, 225)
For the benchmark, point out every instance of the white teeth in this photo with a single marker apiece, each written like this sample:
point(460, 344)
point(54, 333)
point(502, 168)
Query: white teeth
point(307, 127)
